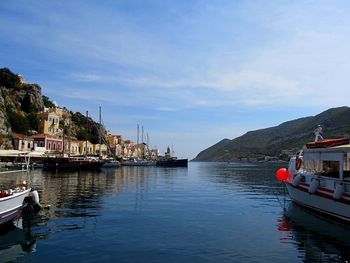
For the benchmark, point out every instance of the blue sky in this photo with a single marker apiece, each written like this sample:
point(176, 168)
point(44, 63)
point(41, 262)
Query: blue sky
point(190, 72)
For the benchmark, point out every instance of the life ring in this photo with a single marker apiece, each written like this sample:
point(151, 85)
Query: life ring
point(298, 163)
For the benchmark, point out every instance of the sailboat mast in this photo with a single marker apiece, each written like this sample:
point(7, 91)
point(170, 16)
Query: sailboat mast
point(86, 142)
point(99, 134)
point(142, 134)
point(69, 120)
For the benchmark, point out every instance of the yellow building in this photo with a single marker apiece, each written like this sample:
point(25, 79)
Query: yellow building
point(71, 147)
point(117, 144)
point(48, 123)
point(83, 145)
point(103, 150)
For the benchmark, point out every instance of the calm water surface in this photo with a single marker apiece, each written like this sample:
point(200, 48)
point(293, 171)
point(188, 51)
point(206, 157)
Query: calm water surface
point(210, 212)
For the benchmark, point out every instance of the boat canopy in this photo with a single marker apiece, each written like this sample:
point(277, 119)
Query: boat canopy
point(317, 158)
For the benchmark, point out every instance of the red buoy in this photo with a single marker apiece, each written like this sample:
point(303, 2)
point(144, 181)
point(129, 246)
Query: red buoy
point(282, 174)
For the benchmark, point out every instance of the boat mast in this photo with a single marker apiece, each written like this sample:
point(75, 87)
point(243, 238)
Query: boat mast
point(142, 134)
point(69, 138)
point(86, 141)
point(99, 134)
point(138, 131)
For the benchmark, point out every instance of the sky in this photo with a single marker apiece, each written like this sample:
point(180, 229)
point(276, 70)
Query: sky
point(191, 73)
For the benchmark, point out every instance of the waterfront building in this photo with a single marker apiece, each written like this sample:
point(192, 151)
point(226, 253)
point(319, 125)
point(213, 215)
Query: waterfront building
point(50, 143)
point(127, 150)
point(86, 147)
point(117, 145)
point(49, 123)
point(139, 151)
point(74, 147)
point(22, 142)
point(96, 150)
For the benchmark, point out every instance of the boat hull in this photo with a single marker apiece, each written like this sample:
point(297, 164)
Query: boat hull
point(173, 163)
point(320, 201)
point(138, 163)
point(11, 206)
point(71, 164)
point(111, 165)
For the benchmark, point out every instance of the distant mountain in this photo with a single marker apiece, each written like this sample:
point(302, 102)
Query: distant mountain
point(281, 140)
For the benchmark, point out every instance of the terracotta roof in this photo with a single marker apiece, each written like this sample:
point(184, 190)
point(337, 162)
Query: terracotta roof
point(41, 135)
point(22, 136)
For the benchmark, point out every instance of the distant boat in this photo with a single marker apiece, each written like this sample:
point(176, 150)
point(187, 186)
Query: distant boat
point(72, 163)
point(168, 160)
point(172, 162)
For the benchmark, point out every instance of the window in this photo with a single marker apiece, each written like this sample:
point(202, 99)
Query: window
point(49, 145)
point(54, 146)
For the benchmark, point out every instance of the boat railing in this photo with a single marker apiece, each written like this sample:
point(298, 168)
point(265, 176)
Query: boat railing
point(332, 182)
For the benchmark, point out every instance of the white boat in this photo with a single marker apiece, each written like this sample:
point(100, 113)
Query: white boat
point(319, 177)
point(11, 204)
point(111, 164)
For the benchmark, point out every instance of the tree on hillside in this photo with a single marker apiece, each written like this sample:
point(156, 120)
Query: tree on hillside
point(9, 80)
point(47, 102)
point(17, 122)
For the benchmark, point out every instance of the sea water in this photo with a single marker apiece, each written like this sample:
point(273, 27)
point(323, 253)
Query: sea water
point(208, 212)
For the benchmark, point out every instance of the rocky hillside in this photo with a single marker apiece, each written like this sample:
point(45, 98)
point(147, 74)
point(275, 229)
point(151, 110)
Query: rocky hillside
point(281, 140)
point(20, 103)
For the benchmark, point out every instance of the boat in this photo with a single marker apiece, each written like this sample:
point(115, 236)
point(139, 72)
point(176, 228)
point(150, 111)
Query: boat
point(172, 162)
point(72, 163)
point(168, 160)
point(138, 162)
point(11, 203)
point(318, 177)
point(111, 164)
point(318, 238)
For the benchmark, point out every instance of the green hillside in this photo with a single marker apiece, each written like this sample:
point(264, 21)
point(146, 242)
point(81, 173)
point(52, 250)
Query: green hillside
point(281, 140)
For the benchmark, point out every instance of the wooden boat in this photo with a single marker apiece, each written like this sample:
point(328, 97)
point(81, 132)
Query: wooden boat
point(66, 163)
point(11, 204)
point(319, 179)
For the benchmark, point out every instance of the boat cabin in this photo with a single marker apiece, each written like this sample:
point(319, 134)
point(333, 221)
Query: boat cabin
point(328, 162)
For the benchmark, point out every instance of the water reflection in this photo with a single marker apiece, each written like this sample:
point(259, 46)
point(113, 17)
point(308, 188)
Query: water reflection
point(208, 212)
point(257, 178)
point(80, 194)
point(16, 242)
point(317, 238)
